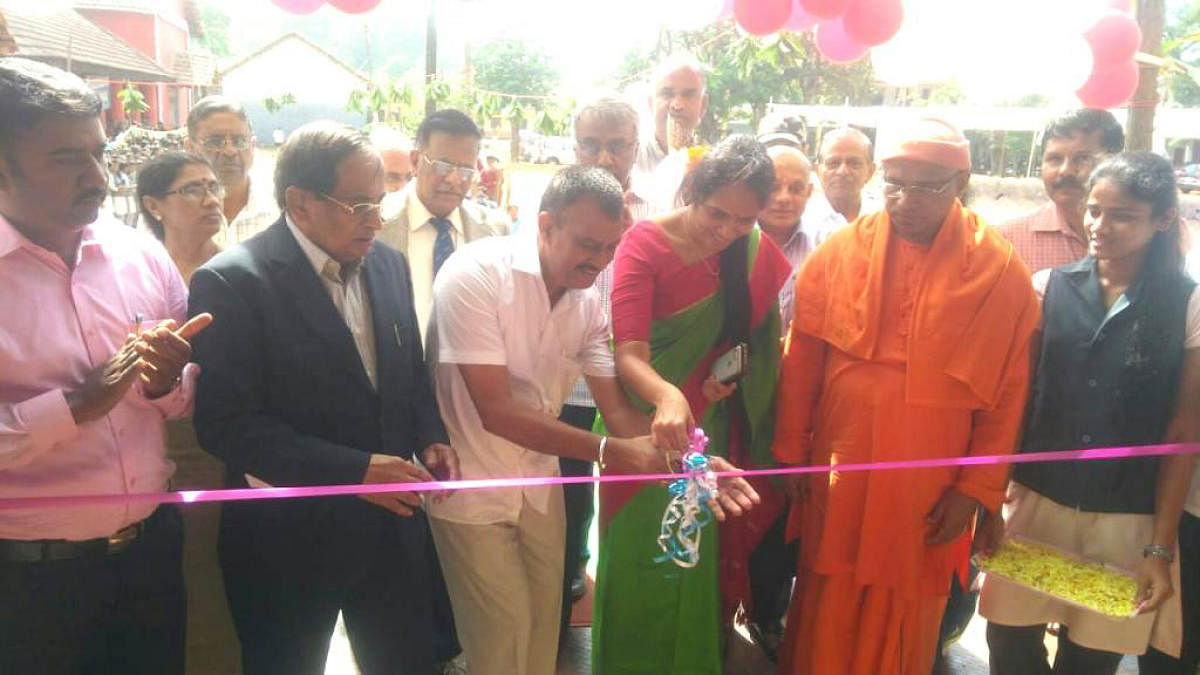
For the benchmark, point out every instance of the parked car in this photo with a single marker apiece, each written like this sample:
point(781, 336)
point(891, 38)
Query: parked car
point(1188, 177)
point(555, 150)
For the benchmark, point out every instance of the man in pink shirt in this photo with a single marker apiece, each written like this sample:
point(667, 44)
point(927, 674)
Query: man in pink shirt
point(92, 361)
point(1072, 146)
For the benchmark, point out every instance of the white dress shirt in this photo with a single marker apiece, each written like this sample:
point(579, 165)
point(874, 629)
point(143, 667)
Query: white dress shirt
point(421, 237)
point(491, 307)
point(348, 290)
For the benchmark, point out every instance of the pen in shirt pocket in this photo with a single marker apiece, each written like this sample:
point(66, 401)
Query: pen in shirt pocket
point(396, 331)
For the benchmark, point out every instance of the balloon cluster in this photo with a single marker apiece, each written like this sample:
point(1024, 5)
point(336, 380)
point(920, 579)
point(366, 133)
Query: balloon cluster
point(687, 511)
point(310, 6)
point(844, 30)
point(1114, 38)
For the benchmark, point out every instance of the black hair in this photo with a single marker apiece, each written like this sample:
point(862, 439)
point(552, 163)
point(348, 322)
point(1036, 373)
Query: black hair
point(577, 182)
point(31, 91)
point(736, 159)
point(1087, 121)
point(211, 105)
point(310, 157)
point(155, 178)
point(1149, 178)
point(449, 121)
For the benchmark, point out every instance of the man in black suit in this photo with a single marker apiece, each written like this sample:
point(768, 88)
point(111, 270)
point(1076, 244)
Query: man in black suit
point(316, 376)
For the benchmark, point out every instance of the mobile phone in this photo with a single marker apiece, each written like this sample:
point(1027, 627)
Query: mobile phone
point(731, 365)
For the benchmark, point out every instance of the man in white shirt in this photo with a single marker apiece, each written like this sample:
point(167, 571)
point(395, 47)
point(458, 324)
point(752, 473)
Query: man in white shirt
point(516, 321)
point(429, 218)
point(219, 130)
point(677, 103)
point(845, 165)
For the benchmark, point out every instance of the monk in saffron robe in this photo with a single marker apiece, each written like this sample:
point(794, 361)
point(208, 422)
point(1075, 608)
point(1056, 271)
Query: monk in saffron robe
point(910, 340)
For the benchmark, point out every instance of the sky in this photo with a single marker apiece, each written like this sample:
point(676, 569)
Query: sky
point(995, 49)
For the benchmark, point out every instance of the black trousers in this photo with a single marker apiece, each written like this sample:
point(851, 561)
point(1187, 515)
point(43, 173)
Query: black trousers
point(290, 567)
point(1155, 662)
point(579, 502)
point(121, 613)
point(772, 569)
point(1021, 650)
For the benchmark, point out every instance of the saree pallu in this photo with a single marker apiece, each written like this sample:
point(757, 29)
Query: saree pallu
point(652, 617)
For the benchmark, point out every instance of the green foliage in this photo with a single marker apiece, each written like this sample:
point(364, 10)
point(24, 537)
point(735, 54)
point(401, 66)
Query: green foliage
point(747, 73)
point(392, 103)
point(215, 24)
point(1181, 41)
point(133, 102)
point(517, 67)
point(274, 105)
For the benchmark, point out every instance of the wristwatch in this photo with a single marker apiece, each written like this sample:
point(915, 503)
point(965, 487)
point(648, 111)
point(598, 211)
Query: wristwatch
point(1154, 550)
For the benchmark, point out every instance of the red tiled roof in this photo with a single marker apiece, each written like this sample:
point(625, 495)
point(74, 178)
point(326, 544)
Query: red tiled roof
point(67, 35)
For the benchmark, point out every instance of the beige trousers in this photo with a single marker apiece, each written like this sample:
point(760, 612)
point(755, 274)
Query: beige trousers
point(505, 585)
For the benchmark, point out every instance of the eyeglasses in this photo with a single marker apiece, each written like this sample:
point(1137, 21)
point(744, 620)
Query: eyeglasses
point(359, 211)
point(590, 148)
point(216, 143)
point(197, 192)
point(835, 163)
point(892, 188)
point(442, 169)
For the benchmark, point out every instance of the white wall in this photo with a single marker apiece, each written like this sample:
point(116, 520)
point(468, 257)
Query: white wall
point(291, 67)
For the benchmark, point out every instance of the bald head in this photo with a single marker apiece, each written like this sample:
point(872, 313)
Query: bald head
point(680, 95)
point(845, 167)
point(793, 187)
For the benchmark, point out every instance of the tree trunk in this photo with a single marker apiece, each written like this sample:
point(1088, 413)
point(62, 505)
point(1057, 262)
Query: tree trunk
point(999, 146)
point(1139, 132)
point(431, 54)
point(514, 145)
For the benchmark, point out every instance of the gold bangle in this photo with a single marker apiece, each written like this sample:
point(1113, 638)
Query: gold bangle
point(667, 460)
point(600, 453)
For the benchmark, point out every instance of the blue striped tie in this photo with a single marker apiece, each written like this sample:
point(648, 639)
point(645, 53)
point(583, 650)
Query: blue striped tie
point(443, 246)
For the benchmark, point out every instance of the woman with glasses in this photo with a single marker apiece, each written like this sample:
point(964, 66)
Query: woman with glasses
point(1119, 365)
point(692, 287)
point(180, 198)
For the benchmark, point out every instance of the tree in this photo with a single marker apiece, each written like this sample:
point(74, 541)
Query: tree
point(133, 102)
point(1181, 41)
point(215, 24)
point(1139, 130)
point(521, 70)
point(747, 73)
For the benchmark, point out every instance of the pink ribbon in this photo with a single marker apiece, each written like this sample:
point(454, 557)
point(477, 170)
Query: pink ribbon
point(242, 494)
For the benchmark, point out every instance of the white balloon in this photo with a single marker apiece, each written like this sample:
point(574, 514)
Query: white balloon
point(1068, 64)
point(688, 14)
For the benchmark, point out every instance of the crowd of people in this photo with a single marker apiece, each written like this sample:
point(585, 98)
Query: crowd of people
point(375, 325)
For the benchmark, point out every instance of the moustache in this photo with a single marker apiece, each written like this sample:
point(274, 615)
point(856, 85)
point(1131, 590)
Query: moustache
point(90, 196)
point(1066, 182)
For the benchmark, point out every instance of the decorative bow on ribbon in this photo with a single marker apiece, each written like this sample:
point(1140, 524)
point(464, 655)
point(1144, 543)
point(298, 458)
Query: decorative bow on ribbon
point(687, 513)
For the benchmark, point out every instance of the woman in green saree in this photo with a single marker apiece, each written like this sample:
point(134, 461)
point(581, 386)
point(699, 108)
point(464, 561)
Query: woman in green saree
point(688, 286)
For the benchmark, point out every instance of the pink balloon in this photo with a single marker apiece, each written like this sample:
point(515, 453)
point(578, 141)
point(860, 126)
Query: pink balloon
point(354, 6)
point(873, 22)
point(800, 20)
point(835, 45)
point(1110, 85)
point(825, 9)
point(299, 6)
point(1120, 5)
point(1114, 38)
point(762, 17)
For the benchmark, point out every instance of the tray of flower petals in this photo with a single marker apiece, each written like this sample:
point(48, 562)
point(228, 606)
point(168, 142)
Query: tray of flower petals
point(1045, 569)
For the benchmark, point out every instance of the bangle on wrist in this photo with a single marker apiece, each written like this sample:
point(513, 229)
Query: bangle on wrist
point(1156, 551)
point(667, 460)
point(600, 453)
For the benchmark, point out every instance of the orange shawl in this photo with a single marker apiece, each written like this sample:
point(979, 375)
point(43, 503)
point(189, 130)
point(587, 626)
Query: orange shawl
point(974, 286)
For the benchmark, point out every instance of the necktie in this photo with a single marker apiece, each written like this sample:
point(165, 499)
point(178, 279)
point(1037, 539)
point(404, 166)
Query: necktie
point(443, 246)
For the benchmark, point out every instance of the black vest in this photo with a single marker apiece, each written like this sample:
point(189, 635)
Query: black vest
point(1105, 380)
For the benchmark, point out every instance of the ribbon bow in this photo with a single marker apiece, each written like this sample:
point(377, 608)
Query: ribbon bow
point(687, 513)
